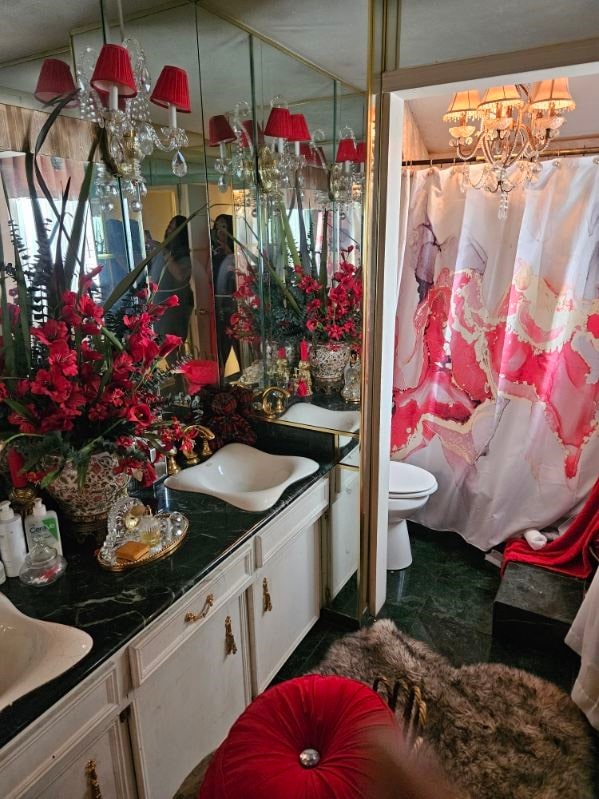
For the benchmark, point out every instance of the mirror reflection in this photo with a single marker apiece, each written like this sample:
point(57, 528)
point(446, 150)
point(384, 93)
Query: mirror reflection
point(268, 156)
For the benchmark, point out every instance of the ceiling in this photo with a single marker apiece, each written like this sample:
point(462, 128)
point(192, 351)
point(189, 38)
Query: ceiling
point(582, 123)
point(338, 43)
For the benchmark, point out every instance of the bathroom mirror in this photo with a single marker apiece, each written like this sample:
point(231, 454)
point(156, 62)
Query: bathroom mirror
point(234, 77)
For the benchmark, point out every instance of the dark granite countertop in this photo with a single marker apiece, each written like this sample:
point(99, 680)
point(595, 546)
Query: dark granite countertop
point(114, 607)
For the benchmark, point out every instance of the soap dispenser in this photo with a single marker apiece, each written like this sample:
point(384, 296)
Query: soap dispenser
point(12, 540)
point(42, 525)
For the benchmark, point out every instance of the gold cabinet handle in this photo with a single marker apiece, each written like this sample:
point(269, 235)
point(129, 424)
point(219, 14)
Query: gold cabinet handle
point(230, 645)
point(190, 616)
point(92, 778)
point(266, 601)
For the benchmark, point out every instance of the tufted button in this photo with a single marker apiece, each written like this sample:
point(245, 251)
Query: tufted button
point(309, 758)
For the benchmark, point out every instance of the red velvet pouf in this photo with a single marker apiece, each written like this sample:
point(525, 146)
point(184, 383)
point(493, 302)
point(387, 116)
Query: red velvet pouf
point(308, 738)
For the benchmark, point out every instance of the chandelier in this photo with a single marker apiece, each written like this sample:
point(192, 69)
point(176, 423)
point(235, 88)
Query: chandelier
point(346, 175)
point(115, 93)
point(510, 127)
point(279, 164)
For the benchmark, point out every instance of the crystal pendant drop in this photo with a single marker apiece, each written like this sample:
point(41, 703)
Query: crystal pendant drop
point(179, 164)
point(222, 184)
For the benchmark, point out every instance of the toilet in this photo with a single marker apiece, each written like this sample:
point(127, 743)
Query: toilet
point(409, 488)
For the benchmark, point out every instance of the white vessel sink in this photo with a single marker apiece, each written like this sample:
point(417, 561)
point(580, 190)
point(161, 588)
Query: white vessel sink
point(243, 476)
point(315, 416)
point(33, 652)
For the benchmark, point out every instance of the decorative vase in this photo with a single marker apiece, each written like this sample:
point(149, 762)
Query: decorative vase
point(327, 364)
point(86, 507)
point(352, 379)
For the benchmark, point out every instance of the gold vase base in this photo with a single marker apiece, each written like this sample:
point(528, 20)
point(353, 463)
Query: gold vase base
point(23, 499)
point(327, 386)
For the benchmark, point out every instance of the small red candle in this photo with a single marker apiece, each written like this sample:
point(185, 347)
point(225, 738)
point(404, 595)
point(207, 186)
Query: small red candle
point(303, 350)
point(15, 464)
point(281, 352)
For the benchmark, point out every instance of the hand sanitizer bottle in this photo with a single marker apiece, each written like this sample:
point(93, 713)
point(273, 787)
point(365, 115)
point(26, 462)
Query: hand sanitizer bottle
point(42, 526)
point(12, 540)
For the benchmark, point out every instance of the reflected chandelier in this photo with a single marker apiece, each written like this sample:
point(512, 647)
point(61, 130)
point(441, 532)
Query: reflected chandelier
point(114, 92)
point(514, 127)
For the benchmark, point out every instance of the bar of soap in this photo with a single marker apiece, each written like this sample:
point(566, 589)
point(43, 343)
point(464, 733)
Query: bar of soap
point(132, 551)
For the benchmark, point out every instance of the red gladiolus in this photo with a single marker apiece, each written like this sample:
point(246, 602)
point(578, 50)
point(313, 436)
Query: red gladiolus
point(198, 374)
point(169, 344)
point(63, 358)
point(143, 348)
point(50, 331)
point(140, 413)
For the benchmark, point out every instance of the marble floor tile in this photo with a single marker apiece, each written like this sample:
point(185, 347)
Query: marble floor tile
point(445, 598)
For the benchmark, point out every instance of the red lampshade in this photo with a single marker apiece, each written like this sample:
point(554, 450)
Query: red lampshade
point(279, 123)
point(308, 737)
point(247, 134)
point(299, 128)
point(309, 154)
point(172, 88)
point(346, 151)
point(219, 131)
point(113, 68)
point(360, 152)
point(55, 80)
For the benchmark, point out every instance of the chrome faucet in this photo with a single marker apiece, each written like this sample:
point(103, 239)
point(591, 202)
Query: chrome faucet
point(271, 409)
point(206, 435)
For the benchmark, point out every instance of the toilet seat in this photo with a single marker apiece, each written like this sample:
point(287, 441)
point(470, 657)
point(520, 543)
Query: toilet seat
point(409, 482)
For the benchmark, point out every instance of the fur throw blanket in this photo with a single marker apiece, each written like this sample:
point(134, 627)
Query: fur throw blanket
point(499, 732)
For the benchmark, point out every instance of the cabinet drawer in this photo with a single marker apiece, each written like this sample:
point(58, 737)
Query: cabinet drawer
point(155, 645)
point(301, 513)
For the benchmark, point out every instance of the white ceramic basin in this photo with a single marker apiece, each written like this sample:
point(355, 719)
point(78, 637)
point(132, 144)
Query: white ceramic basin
point(315, 416)
point(33, 652)
point(243, 476)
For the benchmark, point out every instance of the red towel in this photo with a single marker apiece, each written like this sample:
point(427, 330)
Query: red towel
point(568, 554)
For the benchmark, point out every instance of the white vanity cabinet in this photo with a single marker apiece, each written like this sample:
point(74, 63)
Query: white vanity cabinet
point(79, 749)
point(143, 720)
point(285, 594)
point(191, 677)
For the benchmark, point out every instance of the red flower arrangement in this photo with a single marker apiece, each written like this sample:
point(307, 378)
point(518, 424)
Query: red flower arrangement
point(244, 322)
point(334, 314)
point(82, 389)
point(79, 378)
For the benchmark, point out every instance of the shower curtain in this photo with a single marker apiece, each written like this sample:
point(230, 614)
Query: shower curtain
point(496, 374)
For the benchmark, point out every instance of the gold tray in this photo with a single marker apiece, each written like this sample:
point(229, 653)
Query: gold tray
point(150, 557)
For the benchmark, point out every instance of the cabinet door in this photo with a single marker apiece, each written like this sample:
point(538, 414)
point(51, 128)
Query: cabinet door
point(343, 541)
point(100, 767)
point(185, 707)
point(285, 603)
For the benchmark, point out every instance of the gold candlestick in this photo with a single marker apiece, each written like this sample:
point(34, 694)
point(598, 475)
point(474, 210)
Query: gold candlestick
point(305, 376)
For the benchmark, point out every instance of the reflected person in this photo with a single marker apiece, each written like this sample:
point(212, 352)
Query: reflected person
point(223, 270)
point(171, 271)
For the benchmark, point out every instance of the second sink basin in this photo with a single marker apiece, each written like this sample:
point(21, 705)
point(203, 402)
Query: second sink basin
point(313, 415)
point(245, 477)
point(33, 652)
